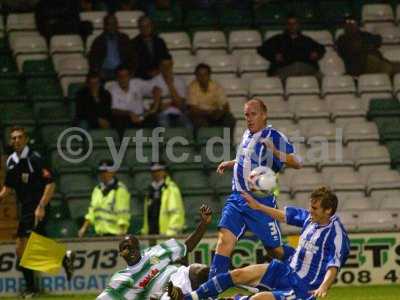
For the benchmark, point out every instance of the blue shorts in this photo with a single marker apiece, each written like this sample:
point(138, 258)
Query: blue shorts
point(284, 283)
point(238, 217)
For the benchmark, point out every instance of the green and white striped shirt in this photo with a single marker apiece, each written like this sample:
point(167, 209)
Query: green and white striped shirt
point(149, 276)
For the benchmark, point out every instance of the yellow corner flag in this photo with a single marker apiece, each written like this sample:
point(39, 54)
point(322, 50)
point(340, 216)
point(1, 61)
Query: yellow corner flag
point(43, 254)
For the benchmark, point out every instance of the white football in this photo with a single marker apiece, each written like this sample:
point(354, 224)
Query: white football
point(262, 180)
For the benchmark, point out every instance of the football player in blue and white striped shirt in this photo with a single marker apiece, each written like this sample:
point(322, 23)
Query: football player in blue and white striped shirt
point(323, 249)
point(261, 145)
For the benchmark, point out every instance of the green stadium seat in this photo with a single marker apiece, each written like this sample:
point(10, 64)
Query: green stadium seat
point(75, 184)
point(137, 211)
point(204, 134)
point(389, 128)
point(200, 19)
point(193, 182)
point(62, 166)
point(334, 12)
point(212, 156)
point(394, 151)
point(139, 133)
point(51, 133)
point(141, 181)
point(221, 183)
point(383, 108)
point(167, 20)
point(62, 229)
point(44, 89)
point(99, 137)
point(192, 205)
point(16, 114)
point(182, 158)
point(38, 68)
point(134, 161)
point(136, 223)
point(11, 89)
point(99, 154)
point(52, 113)
point(78, 207)
point(180, 132)
point(270, 13)
point(305, 11)
point(233, 18)
point(58, 210)
point(73, 89)
point(127, 179)
point(7, 66)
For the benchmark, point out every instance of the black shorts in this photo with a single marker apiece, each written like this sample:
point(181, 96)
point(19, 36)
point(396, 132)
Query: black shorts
point(27, 225)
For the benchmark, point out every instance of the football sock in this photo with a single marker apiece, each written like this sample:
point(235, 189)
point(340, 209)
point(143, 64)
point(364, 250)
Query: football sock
point(212, 287)
point(220, 264)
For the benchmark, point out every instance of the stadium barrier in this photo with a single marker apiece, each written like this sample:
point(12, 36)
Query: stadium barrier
point(374, 259)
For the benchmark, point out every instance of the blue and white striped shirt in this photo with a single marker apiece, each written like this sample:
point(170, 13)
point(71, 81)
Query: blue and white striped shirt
point(252, 153)
point(320, 246)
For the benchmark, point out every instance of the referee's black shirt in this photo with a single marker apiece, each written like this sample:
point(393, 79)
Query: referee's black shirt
point(28, 176)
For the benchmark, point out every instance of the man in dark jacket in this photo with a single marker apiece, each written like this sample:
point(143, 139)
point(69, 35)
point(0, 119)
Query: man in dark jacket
point(292, 53)
point(360, 51)
point(149, 49)
point(110, 49)
point(93, 104)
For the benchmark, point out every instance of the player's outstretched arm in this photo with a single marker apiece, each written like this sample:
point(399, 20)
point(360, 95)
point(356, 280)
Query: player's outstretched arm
point(329, 278)
point(195, 237)
point(291, 160)
point(277, 214)
point(225, 165)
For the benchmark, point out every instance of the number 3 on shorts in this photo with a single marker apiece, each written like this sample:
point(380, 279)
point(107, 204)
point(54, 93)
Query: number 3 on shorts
point(272, 228)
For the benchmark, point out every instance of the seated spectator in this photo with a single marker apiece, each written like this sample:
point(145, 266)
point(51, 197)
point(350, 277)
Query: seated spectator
point(109, 210)
point(93, 104)
point(127, 104)
point(173, 95)
point(292, 53)
point(360, 51)
point(207, 102)
point(60, 17)
point(149, 49)
point(110, 49)
point(164, 212)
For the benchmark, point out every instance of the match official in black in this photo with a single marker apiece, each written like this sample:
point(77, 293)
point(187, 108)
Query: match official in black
point(34, 187)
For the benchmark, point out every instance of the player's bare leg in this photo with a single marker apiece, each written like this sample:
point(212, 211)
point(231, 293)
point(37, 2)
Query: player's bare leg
point(226, 242)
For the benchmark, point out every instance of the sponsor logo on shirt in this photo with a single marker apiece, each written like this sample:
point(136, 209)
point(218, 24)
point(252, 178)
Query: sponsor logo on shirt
point(148, 278)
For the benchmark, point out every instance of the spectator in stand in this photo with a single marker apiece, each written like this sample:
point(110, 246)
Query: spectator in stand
point(60, 17)
point(127, 106)
point(164, 212)
point(93, 104)
point(360, 51)
point(292, 53)
point(207, 102)
point(149, 49)
point(109, 210)
point(173, 94)
point(110, 49)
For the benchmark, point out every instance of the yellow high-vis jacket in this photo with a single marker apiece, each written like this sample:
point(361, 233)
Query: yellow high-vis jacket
point(108, 213)
point(172, 211)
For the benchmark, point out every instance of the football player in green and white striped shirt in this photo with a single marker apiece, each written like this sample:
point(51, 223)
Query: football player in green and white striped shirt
point(148, 273)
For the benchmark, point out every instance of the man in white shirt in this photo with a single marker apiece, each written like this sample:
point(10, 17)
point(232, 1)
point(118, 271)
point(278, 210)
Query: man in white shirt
point(127, 104)
point(173, 95)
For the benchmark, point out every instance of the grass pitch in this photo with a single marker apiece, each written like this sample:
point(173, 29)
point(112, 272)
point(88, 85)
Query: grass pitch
point(388, 292)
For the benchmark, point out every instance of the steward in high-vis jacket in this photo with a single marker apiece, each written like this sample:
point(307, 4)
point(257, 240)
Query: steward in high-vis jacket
point(109, 210)
point(164, 212)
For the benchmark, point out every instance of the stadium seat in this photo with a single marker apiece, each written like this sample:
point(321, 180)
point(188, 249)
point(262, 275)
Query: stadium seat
point(387, 108)
point(377, 13)
point(73, 66)
point(178, 132)
point(360, 131)
point(61, 166)
point(288, 127)
point(212, 155)
point(142, 180)
point(70, 85)
point(66, 43)
point(99, 154)
point(331, 64)
point(346, 181)
point(268, 86)
point(191, 181)
point(58, 210)
point(332, 156)
point(390, 34)
point(35, 65)
point(386, 199)
point(209, 40)
point(389, 128)
point(29, 44)
point(176, 40)
point(374, 86)
point(200, 19)
point(16, 113)
point(44, 89)
point(252, 63)
point(182, 158)
point(234, 87)
point(396, 84)
point(73, 184)
point(78, 206)
point(270, 13)
point(17, 35)
point(128, 19)
point(50, 135)
point(101, 137)
point(204, 134)
point(21, 21)
point(192, 205)
point(309, 157)
point(7, 66)
point(221, 184)
point(370, 154)
point(278, 109)
point(392, 55)
point(394, 150)
point(308, 109)
point(323, 37)
point(244, 39)
point(383, 180)
point(62, 229)
point(11, 90)
point(52, 113)
point(236, 105)
point(307, 12)
point(94, 17)
point(222, 63)
point(321, 131)
point(334, 12)
point(235, 18)
point(377, 220)
point(203, 54)
point(338, 85)
point(302, 85)
point(305, 181)
point(354, 201)
point(345, 108)
point(185, 64)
